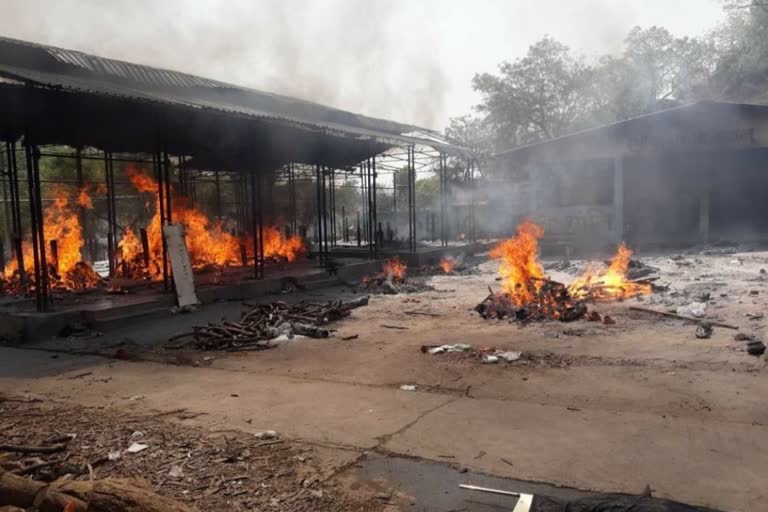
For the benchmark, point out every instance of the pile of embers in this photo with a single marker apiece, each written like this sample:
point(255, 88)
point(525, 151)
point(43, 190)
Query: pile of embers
point(392, 280)
point(550, 300)
point(262, 323)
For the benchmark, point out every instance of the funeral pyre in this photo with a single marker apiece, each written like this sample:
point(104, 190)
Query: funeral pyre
point(528, 294)
point(262, 323)
point(392, 279)
point(63, 236)
point(209, 243)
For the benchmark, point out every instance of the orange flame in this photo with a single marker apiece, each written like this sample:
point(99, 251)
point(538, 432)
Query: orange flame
point(448, 264)
point(523, 276)
point(610, 283)
point(520, 268)
point(207, 241)
point(394, 268)
point(61, 224)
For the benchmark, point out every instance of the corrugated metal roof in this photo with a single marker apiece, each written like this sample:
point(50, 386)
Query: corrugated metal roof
point(683, 117)
point(49, 66)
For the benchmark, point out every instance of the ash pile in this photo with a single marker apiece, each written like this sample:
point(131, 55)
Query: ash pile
point(392, 280)
point(263, 324)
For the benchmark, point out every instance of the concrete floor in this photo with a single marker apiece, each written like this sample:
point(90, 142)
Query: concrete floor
point(641, 402)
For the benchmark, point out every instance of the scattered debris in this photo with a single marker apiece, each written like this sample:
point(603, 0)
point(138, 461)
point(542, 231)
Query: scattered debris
point(637, 270)
point(704, 330)
point(267, 434)
point(742, 336)
point(184, 465)
point(754, 292)
point(486, 355)
point(755, 348)
point(607, 320)
point(176, 471)
point(755, 316)
point(594, 316)
point(265, 322)
point(439, 349)
point(136, 448)
point(408, 387)
point(694, 309)
point(509, 356)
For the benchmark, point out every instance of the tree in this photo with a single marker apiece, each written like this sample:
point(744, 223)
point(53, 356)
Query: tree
point(742, 66)
point(664, 67)
point(472, 132)
point(539, 96)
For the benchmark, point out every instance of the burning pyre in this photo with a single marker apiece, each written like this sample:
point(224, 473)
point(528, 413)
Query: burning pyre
point(448, 264)
point(66, 270)
point(208, 242)
point(528, 294)
point(392, 279)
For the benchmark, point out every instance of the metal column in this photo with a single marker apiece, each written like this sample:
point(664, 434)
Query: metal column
point(411, 171)
point(443, 203)
point(375, 210)
point(257, 217)
point(109, 179)
point(38, 230)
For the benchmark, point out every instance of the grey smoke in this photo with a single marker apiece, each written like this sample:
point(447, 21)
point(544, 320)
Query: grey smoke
point(333, 52)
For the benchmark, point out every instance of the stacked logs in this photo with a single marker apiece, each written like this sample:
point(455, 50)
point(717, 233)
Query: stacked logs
point(264, 322)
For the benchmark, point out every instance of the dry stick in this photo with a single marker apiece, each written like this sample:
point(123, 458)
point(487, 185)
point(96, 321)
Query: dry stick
point(399, 327)
point(34, 467)
point(54, 448)
point(681, 317)
point(423, 313)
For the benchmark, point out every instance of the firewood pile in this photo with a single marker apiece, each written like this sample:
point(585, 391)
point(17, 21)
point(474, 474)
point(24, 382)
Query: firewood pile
point(264, 322)
point(55, 454)
point(551, 301)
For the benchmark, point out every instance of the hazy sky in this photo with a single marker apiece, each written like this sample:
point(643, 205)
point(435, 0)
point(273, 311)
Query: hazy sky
point(407, 60)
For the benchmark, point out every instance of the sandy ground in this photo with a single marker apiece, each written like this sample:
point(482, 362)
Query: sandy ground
point(592, 406)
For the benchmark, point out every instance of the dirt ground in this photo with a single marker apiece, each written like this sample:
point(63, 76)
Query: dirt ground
point(589, 406)
point(224, 470)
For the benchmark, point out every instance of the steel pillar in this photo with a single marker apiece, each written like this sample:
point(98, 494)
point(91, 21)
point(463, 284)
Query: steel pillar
point(38, 230)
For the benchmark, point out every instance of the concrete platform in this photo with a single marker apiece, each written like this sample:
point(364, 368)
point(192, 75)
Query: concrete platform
point(100, 311)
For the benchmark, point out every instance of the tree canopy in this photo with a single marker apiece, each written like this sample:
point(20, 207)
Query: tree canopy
point(552, 91)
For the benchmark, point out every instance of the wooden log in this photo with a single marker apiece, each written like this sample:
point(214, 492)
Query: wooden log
point(310, 330)
point(18, 491)
point(682, 317)
point(359, 302)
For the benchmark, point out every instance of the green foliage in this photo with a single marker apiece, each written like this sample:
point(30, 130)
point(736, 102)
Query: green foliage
point(550, 91)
